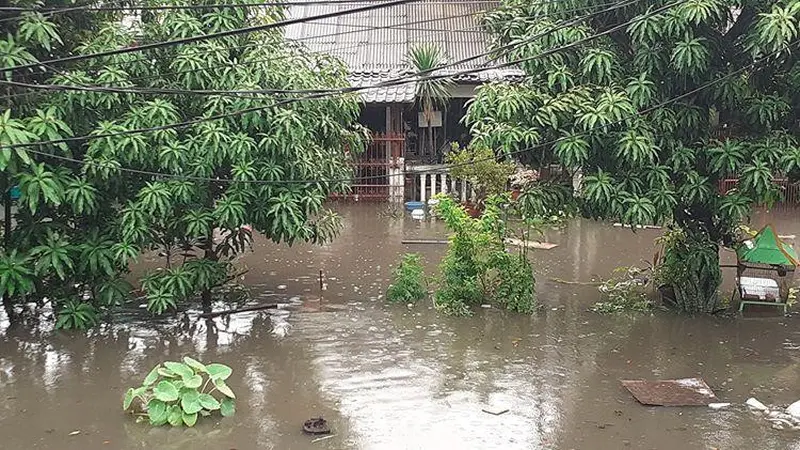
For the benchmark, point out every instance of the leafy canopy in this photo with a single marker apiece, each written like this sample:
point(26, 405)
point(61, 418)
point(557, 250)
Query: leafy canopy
point(606, 108)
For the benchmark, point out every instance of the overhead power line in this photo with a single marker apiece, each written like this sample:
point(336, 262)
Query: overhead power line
point(446, 166)
point(498, 52)
point(221, 34)
point(410, 78)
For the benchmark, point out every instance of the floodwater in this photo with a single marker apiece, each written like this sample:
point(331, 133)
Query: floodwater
point(393, 377)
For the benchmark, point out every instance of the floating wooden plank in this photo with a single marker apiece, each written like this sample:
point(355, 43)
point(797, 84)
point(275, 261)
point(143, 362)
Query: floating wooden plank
point(531, 244)
point(514, 242)
point(424, 241)
point(682, 392)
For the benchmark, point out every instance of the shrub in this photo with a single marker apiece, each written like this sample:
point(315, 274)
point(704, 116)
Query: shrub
point(626, 290)
point(477, 267)
point(178, 393)
point(408, 283)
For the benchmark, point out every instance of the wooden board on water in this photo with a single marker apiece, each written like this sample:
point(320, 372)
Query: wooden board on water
point(683, 392)
point(531, 244)
point(514, 242)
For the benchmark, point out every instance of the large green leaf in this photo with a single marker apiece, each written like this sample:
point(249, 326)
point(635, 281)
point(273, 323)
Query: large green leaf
point(194, 364)
point(218, 371)
point(126, 402)
point(227, 407)
point(175, 416)
point(190, 401)
point(208, 402)
point(222, 387)
point(179, 369)
point(151, 377)
point(189, 419)
point(193, 382)
point(157, 412)
point(165, 391)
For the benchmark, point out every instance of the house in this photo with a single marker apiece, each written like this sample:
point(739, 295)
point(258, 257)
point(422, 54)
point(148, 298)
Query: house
point(375, 46)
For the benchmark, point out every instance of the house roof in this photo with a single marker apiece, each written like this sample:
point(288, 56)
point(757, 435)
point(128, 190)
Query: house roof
point(375, 44)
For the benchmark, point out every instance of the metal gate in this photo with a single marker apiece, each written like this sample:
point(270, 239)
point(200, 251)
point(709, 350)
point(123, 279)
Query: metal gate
point(373, 169)
point(790, 191)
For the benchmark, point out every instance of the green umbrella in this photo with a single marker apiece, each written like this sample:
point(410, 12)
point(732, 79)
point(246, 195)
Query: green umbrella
point(768, 248)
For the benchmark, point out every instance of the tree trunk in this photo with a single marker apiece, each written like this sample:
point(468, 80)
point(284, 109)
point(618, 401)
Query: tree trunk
point(208, 254)
point(691, 268)
point(7, 212)
point(8, 305)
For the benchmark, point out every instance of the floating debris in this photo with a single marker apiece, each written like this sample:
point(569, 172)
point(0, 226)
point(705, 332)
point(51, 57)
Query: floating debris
point(316, 426)
point(680, 392)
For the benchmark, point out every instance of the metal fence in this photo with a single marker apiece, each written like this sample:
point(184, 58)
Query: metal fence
point(790, 191)
point(371, 169)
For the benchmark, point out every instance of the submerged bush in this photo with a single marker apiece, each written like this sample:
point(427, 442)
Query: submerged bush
point(478, 268)
point(178, 393)
point(408, 282)
point(626, 290)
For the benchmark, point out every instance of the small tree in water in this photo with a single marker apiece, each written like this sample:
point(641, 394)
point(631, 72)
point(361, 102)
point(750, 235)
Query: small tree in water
point(478, 268)
point(408, 283)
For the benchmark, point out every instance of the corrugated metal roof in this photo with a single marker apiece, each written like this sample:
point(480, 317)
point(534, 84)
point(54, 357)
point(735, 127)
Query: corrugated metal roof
point(375, 44)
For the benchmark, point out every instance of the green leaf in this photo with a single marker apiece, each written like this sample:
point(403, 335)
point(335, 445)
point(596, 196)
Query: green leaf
point(219, 371)
point(175, 416)
point(157, 412)
point(166, 373)
point(151, 377)
point(222, 387)
point(193, 382)
point(194, 364)
point(227, 408)
point(126, 402)
point(179, 369)
point(190, 401)
point(209, 402)
point(165, 391)
point(189, 419)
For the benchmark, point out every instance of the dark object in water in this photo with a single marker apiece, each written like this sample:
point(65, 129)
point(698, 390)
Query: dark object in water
point(316, 426)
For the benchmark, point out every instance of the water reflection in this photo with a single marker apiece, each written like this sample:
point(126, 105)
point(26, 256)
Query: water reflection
point(390, 377)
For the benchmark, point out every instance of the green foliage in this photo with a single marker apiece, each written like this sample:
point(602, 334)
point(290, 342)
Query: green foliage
point(408, 282)
point(80, 225)
point(479, 165)
point(626, 290)
point(434, 93)
point(477, 267)
point(177, 393)
point(642, 112)
point(689, 268)
point(76, 315)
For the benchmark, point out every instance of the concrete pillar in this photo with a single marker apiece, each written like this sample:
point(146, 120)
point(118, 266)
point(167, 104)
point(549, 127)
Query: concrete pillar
point(463, 191)
point(423, 186)
point(452, 184)
point(443, 180)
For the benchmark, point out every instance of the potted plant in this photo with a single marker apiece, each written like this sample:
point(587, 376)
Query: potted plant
point(479, 165)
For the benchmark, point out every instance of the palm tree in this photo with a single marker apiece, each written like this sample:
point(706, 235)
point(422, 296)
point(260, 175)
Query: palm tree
point(430, 93)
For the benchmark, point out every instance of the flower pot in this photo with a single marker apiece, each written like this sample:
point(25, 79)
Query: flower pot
point(472, 209)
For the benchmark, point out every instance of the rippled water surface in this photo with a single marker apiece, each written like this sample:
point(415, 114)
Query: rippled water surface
point(393, 377)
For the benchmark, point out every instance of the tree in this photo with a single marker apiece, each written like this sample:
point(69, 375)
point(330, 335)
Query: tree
point(668, 101)
point(185, 192)
point(433, 93)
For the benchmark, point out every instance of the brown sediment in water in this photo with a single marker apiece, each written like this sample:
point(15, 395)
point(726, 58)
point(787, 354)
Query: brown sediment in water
point(390, 377)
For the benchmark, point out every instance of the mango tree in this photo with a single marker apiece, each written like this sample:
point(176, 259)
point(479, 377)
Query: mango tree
point(670, 99)
point(191, 193)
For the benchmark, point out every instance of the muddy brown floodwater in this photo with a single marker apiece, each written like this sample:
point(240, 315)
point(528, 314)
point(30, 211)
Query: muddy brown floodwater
point(390, 377)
